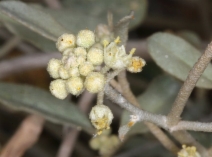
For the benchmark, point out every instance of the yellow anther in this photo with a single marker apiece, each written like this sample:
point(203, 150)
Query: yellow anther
point(132, 51)
point(105, 43)
point(117, 40)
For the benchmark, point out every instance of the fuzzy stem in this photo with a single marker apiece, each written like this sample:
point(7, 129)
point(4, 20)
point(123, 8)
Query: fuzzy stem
point(188, 86)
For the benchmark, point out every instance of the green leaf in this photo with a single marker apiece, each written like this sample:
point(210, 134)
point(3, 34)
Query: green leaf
point(177, 57)
point(35, 100)
point(158, 99)
point(31, 18)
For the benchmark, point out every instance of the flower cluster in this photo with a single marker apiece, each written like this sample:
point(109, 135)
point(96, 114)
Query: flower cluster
point(105, 143)
point(75, 71)
point(86, 60)
point(188, 152)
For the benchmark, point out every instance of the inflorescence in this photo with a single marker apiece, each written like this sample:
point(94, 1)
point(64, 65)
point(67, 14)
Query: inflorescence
point(85, 64)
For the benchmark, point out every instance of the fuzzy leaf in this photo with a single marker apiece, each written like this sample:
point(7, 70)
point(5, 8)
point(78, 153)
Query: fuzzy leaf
point(157, 99)
point(35, 100)
point(31, 18)
point(177, 57)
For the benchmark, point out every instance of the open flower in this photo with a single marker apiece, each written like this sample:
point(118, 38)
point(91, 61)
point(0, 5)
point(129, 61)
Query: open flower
point(101, 117)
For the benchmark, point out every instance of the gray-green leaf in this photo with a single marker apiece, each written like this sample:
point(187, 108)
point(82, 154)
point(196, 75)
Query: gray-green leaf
point(31, 18)
point(35, 100)
point(157, 99)
point(177, 57)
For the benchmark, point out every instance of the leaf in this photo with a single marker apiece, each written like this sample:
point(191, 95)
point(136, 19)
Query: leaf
point(157, 99)
point(177, 57)
point(35, 100)
point(31, 18)
point(32, 37)
point(98, 10)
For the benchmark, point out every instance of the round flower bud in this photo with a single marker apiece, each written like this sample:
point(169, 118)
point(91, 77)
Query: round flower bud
point(85, 38)
point(94, 82)
point(70, 61)
point(74, 72)
point(101, 117)
point(136, 64)
point(53, 67)
point(68, 51)
point(58, 89)
point(86, 68)
point(64, 74)
point(95, 56)
point(74, 85)
point(65, 41)
point(80, 51)
point(80, 60)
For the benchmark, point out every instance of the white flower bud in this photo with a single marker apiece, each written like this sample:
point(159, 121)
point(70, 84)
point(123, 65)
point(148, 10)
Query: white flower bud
point(53, 67)
point(64, 74)
point(68, 51)
point(65, 41)
point(85, 38)
point(70, 61)
point(101, 117)
point(74, 85)
point(95, 82)
point(86, 68)
point(95, 56)
point(74, 72)
point(136, 64)
point(80, 51)
point(80, 60)
point(58, 89)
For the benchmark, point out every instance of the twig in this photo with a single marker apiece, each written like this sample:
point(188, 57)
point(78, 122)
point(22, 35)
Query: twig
point(9, 45)
point(155, 130)
point(19, 64)
point(163, 138)
point(26, 135)
point(194, 126)
point(70, 137)
point(116, 85)
point(188, 86)
point(54, 4)
point(159, 120)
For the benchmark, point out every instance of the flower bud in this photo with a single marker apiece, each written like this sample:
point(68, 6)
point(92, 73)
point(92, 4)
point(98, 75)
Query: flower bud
point(85, 68)
point(68, 51)
point(58, 89)
point(65, 41)
point(85, 38)
point(80, 60)
point(101, 117)
point(94, 82)
point(64, 74)
point(74, 85)
point(53, 67)
point(74, 72)
point(136, 65)
point(95, 56)
point(80, 51)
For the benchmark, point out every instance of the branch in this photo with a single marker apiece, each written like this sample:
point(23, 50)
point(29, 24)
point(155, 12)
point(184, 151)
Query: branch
point(70, 137)
point(188, 86)
point(159, 120)
point(26, 135)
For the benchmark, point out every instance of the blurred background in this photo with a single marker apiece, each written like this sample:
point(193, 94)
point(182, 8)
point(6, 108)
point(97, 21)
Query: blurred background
point(24, 55)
